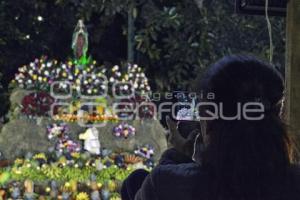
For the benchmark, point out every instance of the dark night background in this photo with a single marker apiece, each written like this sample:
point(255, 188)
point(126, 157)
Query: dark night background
point(174, 40)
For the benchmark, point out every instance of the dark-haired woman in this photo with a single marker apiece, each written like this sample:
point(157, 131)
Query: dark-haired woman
point(243, 151)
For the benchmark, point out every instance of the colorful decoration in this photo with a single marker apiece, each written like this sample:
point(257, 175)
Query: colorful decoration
point(67, 147)
point(64, 145)
point(80, 43)
point(132, 81)
point(64, 172)
point(91, 80)
point(82, 196)
point(132, 159)
point(63, 77)
point(27, 180)
point(91, 140)
point(37, 75)
point(145, 151)
point(37, 104)
point(91, 118)
point(123, 130)
point(56, 130)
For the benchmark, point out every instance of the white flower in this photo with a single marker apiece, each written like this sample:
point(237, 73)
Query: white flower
point(111, 79)
point(115, 68)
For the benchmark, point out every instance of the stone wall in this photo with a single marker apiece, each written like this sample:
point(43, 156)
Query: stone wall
point(21, 135)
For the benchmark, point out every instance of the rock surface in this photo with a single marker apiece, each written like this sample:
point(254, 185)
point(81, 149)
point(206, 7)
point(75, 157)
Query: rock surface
point(21, 135)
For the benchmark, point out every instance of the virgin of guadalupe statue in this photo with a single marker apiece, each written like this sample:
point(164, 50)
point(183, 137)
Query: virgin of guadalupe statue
point(80, 42)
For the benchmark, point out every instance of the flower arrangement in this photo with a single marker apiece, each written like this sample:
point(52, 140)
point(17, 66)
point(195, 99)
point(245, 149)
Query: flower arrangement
point(145, 151)
point(124, 130)
point(68, 146)
point(56, 130)
point(37, 104)
point(82, 196)
point(72, 179)
point(43, 72)
point(90, 80)
point(36, 75)
point(63, 143)
point(134, 76)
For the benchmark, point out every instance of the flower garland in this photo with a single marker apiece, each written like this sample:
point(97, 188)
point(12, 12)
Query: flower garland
point(91, 118)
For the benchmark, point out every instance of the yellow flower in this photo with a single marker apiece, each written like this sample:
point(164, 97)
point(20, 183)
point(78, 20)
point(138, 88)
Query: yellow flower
point(19, 161)
point(34, 77)
point(67, 184)
point(82, 196)
point(40, 156)
point(48, 189)
point(75, 155)
point(115, 198)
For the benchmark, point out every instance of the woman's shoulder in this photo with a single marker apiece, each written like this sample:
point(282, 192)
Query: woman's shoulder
point(294, 172)
point(174, 180)
point(184, 169)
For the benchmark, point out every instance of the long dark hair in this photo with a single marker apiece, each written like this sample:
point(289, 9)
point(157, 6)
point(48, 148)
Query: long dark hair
point(248, 159)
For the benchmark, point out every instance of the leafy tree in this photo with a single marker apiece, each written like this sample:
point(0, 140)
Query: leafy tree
point(175, 40)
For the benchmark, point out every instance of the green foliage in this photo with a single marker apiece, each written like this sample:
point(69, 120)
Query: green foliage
point(175, 40)
point(63, 174)
point(180, 40)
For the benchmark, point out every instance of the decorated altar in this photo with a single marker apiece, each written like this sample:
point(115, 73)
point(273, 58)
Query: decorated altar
point(64, 138)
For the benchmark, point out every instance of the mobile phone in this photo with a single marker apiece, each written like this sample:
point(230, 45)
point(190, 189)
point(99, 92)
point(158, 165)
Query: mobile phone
point(185, 104)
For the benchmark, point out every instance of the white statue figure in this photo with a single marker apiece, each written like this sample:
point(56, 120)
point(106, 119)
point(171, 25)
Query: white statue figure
point(91, 140)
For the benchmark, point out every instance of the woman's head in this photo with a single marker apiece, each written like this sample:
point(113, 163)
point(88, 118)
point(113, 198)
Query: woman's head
point(243, 79)
point(241, 148)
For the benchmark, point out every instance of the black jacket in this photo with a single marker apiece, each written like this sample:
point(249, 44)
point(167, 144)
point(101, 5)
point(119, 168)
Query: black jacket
point(188, 181)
